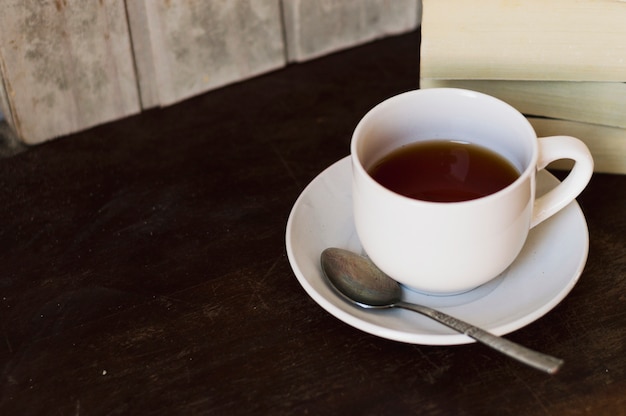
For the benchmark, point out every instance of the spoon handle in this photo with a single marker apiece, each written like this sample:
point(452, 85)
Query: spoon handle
point(518, 352)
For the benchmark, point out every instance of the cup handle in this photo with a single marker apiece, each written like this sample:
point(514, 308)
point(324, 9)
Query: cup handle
point(562, 147)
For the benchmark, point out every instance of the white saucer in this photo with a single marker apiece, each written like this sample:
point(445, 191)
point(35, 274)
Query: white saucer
point(545, 272)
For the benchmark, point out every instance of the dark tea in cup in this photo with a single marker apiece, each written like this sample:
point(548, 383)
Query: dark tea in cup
point(444, 171)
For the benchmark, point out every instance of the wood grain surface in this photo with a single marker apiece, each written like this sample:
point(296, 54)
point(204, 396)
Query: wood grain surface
point(143, 271)
point(184, 48)
point(66, 65)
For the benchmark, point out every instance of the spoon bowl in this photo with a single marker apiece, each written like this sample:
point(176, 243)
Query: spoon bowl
point(359, 281)
point(373, 290)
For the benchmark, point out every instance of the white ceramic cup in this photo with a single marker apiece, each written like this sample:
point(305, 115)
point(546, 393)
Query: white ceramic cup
point(451, 247)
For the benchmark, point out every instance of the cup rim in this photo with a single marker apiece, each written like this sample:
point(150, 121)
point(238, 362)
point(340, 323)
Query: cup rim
point(523, 176)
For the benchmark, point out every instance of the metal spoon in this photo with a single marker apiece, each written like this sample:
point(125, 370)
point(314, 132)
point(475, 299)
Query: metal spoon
point(361, 282)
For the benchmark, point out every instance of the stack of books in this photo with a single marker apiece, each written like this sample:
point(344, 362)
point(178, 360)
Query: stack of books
point(562, 63)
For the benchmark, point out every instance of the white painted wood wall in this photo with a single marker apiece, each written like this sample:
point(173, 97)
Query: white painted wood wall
point(67, 65)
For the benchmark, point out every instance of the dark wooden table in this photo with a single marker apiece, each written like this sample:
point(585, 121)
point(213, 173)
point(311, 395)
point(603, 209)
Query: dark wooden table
point(143, 271)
